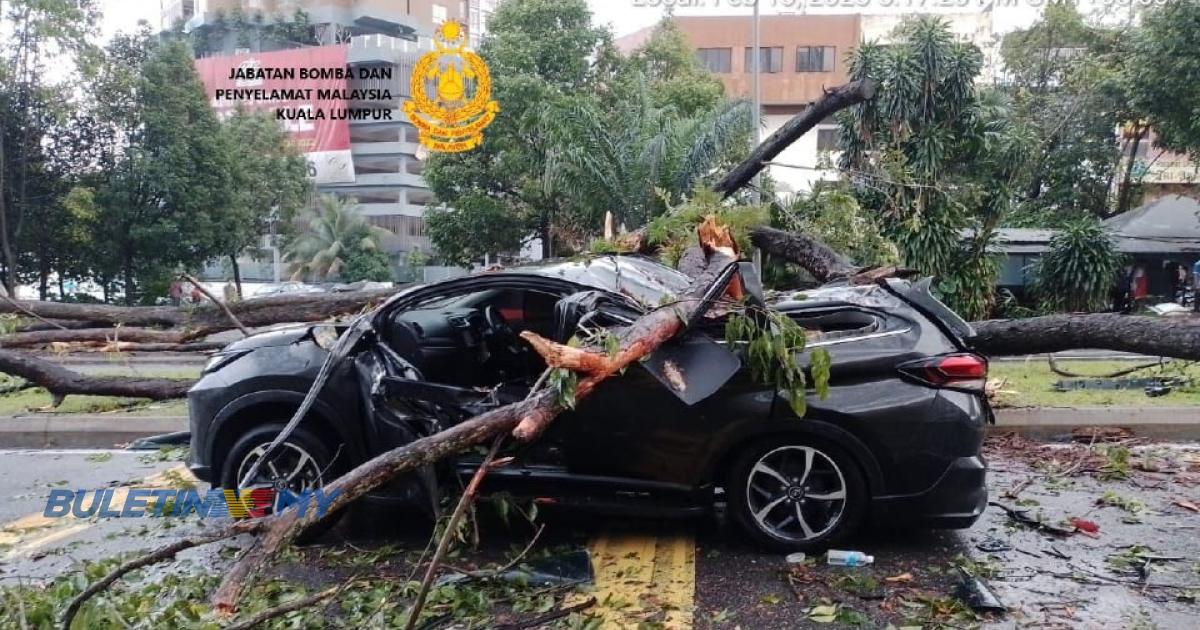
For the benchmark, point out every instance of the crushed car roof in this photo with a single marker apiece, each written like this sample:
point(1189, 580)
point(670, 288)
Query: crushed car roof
point(641, 278)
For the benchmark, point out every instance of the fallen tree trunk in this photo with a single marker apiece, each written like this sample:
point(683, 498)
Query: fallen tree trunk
point(834, 100)
point(207, 318)
point(815, 257)
point(1177, 337)
point(61, 382)
point(525, 419)
point(95, 335)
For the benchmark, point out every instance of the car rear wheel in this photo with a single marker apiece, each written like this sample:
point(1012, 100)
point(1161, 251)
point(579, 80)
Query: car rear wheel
point(301, 463)
point(796, 493)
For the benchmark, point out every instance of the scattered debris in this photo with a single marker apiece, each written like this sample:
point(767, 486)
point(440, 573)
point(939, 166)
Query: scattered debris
point(903, 578)
point(991, 544)
point(1187, 505)
point(1085, 527)
point(976, 595)
point(837, 557)
point(1023, 517)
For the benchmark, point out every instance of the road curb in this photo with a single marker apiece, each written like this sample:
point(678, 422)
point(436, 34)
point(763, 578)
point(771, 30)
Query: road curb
point(83, 431)
point(1055, 423)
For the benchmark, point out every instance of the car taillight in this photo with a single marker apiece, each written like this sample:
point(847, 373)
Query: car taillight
point(956, 371)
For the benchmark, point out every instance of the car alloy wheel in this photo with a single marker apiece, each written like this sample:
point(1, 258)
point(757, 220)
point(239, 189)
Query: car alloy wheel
point(290, 467)
point(796, 493)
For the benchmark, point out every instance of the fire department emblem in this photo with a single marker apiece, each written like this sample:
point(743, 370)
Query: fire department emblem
point(453, 117)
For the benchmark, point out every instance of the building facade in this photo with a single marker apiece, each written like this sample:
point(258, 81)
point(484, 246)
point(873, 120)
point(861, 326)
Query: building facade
point(800, 56)
point(387, 187)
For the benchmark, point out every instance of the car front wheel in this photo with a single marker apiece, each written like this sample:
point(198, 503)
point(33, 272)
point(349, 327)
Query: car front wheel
point(301, 463)
point(796, 494)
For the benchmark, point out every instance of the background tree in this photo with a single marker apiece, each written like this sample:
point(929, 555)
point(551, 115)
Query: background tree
point(330, 236)
point(1066, 80)
point(268, 182)
point(582, 131)
point(37, 32)
point(168, 173)
point(1162, 69)
point(668, 62)
point(1078, 272)
point(540, 53)
point(933, 158)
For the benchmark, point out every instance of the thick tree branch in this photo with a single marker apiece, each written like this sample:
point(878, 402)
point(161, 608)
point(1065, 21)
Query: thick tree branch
point(815, 257)
point(834, 100)
point(1154, 336)
point(62, 382)
point(207, 318)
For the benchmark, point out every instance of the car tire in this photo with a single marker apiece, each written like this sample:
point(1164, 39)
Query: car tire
point(301, 447)
point(782, 507)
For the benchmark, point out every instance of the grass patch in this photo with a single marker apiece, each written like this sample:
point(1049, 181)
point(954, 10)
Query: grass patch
point(1031, 384)
point(28, 401)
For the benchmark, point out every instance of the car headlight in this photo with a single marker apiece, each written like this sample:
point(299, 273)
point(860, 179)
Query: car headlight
point(221, 359)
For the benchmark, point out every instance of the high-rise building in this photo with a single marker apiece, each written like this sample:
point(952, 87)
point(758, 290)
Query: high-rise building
point(387, 185)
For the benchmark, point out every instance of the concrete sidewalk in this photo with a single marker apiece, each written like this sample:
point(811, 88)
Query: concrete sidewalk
point(83, 431)
point(1051, 423)
point(1043, 423)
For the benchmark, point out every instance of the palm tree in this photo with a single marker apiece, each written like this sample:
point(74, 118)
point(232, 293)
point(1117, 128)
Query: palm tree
point(643, 157)
point(330, 233)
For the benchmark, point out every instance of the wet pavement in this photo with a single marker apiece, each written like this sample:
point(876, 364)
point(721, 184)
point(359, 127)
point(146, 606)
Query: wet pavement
point(1141, 569)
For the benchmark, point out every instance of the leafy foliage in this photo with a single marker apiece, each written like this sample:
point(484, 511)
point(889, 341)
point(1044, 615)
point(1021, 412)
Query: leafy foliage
point(770, 348)
point(675, 231)
point(1079, 270)
point(1066, 81)
point(933, 158)
point(582, 131)
point(331, 235)
point(1163, 65)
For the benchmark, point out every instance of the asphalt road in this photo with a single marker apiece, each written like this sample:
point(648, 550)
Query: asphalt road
point(1044, 579)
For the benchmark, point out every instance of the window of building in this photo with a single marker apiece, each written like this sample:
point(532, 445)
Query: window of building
point(439, 14)
point(828, 140)
point(815, 58)
point(719, 60)
point(770, 59)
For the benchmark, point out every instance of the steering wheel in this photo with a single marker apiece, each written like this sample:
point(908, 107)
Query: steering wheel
point(498, 329)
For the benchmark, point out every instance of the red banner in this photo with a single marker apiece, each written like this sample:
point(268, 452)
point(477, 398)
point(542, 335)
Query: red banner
point(301, 87)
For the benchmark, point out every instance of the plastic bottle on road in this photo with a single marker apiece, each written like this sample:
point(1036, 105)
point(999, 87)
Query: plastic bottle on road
point(841, 558)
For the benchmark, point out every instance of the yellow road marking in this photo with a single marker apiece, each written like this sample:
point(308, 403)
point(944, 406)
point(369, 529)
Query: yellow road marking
point(26, 534)
point(642, 577)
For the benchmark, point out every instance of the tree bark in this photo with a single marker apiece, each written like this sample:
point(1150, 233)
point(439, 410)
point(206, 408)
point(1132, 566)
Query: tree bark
point(526, 419)
point(834, 100)
point(815, 257)
point(95, 335)
point(207, 318)
point(237, 274)
point(61, 382)
point(1153, 336)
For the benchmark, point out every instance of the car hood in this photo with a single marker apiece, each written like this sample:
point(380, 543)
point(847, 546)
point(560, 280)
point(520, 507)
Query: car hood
point(271, 338)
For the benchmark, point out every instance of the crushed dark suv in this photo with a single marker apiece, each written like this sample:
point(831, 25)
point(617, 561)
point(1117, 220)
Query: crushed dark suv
point(896, 440)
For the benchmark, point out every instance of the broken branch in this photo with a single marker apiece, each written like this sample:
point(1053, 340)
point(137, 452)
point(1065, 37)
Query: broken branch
point(221, 305)
point(161, 554)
